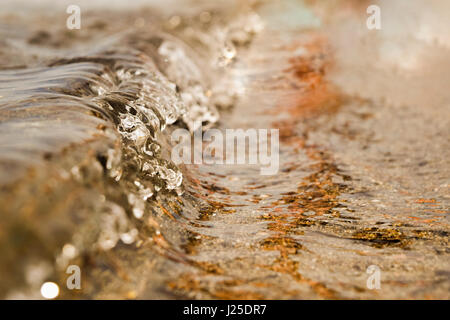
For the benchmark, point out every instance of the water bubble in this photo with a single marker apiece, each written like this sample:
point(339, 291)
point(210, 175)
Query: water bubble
point(129, 237)
point(69, 251)
point(49, 290)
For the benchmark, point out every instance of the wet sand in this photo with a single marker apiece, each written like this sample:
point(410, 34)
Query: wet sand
point(363, 177)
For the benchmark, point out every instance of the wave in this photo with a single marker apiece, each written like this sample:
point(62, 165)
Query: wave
point(98, 121)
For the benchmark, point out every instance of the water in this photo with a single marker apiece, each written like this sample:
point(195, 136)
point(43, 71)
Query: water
point(87, 177)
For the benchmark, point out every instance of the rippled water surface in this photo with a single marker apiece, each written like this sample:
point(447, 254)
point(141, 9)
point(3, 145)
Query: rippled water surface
point(86, 175)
